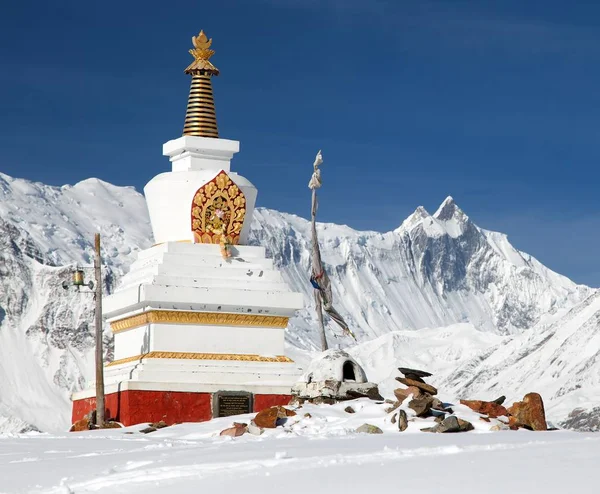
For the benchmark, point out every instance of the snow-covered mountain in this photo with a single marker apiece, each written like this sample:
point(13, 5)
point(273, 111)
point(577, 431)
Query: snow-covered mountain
point(434, 271)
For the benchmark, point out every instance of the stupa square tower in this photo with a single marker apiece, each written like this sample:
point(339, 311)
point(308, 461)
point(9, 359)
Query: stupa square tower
point(199, 320)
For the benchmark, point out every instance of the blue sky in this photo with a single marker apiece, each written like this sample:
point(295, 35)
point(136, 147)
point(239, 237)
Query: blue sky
point(492, 102)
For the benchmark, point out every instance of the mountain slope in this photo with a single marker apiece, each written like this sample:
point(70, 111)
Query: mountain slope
point(433, 271)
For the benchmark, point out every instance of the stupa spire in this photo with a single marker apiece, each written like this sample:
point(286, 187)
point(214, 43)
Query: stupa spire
point(200, 118)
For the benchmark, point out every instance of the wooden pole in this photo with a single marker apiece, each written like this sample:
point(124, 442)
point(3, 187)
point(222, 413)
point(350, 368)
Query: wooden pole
point(99, 351)
point(318, 301)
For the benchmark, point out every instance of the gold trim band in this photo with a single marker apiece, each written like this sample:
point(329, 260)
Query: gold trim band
point(206, 318)
point(202, 356)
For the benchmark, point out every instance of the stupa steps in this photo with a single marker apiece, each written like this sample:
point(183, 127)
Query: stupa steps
point(232, 300)
point(210, 261)
point(243, 336)
point(182, 248)
point(198, 282)
point(208, 375)
point(203, 365)
point(231, 275)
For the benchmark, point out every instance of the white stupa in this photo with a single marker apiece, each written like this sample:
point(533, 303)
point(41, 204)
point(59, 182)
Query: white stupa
point(199, 321)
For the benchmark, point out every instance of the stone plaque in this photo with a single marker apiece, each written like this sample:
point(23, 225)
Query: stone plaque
point(228, 403)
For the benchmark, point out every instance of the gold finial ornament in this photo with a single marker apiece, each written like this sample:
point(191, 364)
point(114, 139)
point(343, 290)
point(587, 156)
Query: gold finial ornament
point(200, 118)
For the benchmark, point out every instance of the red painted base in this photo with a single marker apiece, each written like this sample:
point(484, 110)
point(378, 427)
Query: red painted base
point(136, 407)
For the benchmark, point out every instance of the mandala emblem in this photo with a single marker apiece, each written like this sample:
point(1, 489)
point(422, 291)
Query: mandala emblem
point(218, 211)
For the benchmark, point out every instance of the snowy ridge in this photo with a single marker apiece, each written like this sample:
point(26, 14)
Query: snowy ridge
point(434, 271)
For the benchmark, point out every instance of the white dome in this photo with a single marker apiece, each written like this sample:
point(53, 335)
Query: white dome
point(334, 365)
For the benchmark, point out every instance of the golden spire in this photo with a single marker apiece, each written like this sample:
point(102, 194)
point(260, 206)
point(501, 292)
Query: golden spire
point(200, 118)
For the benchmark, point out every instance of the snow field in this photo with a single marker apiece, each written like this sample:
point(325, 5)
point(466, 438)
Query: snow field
point(318, 454)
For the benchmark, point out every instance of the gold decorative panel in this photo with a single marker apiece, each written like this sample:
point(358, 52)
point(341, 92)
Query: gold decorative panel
point(208, 318)
point(202, 356)
point(218, 211)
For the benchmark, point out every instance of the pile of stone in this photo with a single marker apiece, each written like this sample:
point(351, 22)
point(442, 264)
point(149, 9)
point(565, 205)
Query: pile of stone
point(420, 397)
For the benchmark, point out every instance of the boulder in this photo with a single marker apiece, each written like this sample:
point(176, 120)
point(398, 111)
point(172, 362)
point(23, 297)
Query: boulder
point(349, 409)
point(421, 405)
point(160, 425)
point(451, 424)
point(499, 401)
point(403, 393)
point(269, 417)
point(528, 413)
point(235, 431)
point(371, 392)
point(80, 425)
point(402, 421)
point(422, 386)
point(369, 429)
point(419, 373)
point(254, 429)
point(111, 424)
point(489, 408)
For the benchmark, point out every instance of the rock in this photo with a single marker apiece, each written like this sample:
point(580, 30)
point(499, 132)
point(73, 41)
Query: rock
point(402, 421)
point(235, 431)
point(440, 418)
point(395, 407)
point(528, 413)
point(159, 425)
point(393, 420)
point(148, 430)
point(422, 386)
point(254, 429)
point(451, 424)
point(307, 416)
point(499, 401)
point(372, 393)
point(269, 417)
point(421, 405)
point(489, 408)
point(416, 372)
point(499, 427)
point(80, 425)
point(485, 419)
point(369, 429)
point(403, 393)
point(349, 409)
point(112, 425)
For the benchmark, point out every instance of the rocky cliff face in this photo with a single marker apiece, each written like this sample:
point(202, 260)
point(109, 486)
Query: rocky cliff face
point(433, 271)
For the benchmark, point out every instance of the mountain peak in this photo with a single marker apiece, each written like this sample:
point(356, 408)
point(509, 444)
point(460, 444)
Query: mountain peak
point(420, 214)
point(449, 210)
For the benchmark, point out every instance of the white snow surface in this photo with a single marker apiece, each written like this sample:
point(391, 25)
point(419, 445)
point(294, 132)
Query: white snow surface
point(437, 293)
point(317, 453)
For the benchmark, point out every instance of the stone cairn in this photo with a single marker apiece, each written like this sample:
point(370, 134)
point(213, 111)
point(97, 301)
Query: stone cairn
point(420, 397)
